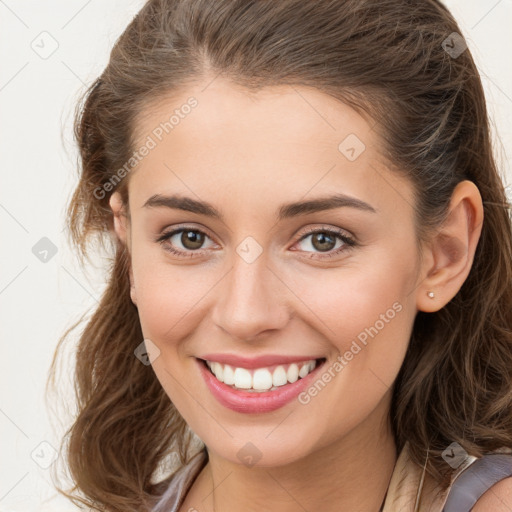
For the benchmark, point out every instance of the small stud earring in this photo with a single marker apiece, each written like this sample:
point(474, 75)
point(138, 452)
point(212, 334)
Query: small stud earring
point(431, 294)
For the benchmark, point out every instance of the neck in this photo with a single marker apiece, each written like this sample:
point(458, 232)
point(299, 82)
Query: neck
point(351, 474)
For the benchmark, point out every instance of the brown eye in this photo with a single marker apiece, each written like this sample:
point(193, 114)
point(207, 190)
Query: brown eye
point(192, 239)
point(327, 241)
point(323, 242)
point(186, 242)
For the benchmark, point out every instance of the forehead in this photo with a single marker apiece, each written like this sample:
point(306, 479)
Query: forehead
point(252, 148)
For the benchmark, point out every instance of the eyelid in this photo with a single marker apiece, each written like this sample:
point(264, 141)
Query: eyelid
point(183, 227)
point(327, 229)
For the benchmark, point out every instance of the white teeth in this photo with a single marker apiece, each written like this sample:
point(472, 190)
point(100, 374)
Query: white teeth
point(293, 373)
point(304, 370)
point(218, 370)
point(260, 379)
point(229, 375)
point(279, 376)
point(243, 378)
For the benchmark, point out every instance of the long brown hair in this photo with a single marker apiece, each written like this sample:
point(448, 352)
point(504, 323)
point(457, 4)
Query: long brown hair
point(385, 58)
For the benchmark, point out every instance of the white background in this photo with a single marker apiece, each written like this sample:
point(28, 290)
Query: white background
point(38, 301)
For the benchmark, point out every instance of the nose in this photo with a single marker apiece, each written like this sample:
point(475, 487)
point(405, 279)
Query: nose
point(251, 300)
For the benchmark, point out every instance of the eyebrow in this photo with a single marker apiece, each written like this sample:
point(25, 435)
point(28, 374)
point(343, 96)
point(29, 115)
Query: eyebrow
point(286, 211)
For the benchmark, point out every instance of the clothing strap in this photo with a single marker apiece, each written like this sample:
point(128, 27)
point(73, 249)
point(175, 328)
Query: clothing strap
point(476, 479)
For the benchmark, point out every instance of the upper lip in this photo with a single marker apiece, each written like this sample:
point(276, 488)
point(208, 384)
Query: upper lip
point(256, 362)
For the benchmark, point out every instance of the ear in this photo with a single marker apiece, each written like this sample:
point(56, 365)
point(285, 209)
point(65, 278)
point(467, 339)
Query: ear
point(120, 218)
point(448, 259)
point(122, 231)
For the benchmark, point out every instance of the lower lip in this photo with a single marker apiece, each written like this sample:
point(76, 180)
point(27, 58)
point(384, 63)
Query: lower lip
point(253, 403)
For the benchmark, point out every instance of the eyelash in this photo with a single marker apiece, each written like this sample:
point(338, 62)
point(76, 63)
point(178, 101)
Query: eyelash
point(349, 243)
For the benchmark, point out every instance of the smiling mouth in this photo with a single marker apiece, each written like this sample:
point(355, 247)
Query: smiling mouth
point(259, 380)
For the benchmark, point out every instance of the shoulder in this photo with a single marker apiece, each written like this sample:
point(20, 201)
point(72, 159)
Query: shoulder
point(497, 498)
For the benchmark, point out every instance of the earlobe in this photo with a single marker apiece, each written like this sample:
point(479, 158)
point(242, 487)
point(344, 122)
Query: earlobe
point(452, 249)
point(133, 294)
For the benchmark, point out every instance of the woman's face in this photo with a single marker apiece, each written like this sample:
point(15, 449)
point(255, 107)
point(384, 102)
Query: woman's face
point(270, 271)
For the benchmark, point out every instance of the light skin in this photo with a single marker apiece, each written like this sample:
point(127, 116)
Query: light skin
point(247, 154)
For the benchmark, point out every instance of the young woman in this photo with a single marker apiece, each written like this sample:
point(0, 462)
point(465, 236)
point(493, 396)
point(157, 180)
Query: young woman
point(310, 301)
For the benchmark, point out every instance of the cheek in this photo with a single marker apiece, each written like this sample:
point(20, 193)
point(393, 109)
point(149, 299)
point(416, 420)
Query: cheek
point(343, 302)
point(368, 321)
point(366, 312)
point(169, 297)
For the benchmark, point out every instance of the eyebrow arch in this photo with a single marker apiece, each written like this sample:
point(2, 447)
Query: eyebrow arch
point(286, 211)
